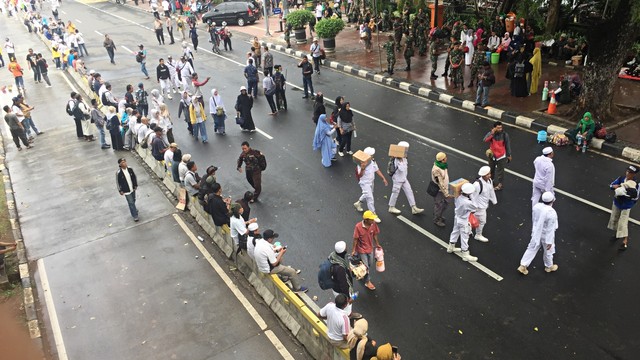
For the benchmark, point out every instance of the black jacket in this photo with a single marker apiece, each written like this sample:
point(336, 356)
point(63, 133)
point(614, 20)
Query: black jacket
point(121, 181)
point(218, 210)
point(339, 275)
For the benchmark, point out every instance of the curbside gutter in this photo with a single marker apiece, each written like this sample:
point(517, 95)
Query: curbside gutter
point(617, 149)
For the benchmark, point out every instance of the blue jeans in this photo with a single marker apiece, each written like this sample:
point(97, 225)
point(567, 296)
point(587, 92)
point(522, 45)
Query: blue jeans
point(19, 82)
point(252, 84)
point(483, 91)
point(200, 128)
point(369, 260)
point(143, 68)
point(308, 85)
point(28, 125)
point(83, 50)
point(103, 140)
point(131, 201)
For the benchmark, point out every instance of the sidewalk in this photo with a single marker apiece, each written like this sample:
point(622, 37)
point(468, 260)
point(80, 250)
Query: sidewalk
point(140, 288)
point(351, 57)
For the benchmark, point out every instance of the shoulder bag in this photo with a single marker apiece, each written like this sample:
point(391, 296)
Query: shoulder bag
point(433, 189)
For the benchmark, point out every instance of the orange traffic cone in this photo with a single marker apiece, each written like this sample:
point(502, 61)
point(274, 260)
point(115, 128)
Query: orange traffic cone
point(551, 110)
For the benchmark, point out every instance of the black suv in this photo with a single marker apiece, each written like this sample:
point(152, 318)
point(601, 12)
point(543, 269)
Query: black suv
point(233, 12)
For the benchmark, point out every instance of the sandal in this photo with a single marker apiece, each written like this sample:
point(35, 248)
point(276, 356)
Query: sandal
point(370, 286)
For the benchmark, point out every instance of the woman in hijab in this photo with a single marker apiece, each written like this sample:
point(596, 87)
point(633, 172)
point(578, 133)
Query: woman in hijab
point(347, 127)
point(318, 107)
point(166, 123)
point(217, 111)
point(113, 123)
point(536, 73)
point(504, 45)
point(362, 348)
point(468, 42)
point(323, 140)
point(244, 103)
point(183, 108)
point(585, 130)
point(519, 70)
point(336, 113)
point(156, 99)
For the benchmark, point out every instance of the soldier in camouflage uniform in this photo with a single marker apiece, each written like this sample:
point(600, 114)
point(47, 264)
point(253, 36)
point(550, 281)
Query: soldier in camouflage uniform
point(397, 32)
point(447, 63)
point(456, 58)
point(433, 52)
point(406, 19)
point(455, 31)
point(390, 48)
point(421, 38)
point(479, 57)
point(408, 50)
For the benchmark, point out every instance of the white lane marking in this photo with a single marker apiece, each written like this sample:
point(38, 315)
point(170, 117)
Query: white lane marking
point(73, 88)
point(126, 48)
point(78, 21)
point(64, 12)
point(53, 316)
point(98, 32)
point(225, 278)
point(278, 345)
point(445, 244)
point(264, 134)
point(433, 142)
point(116, 16)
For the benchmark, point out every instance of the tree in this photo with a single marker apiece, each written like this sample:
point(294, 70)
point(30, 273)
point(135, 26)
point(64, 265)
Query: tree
point(553, 15)
point(609, 42)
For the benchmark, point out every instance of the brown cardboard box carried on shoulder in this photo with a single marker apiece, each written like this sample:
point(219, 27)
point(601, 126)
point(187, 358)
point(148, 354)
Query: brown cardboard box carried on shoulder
point(398, 151)
point(360, 157)
point(455, 187)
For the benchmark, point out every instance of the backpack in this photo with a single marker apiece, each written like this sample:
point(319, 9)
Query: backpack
point(139, 57)
point(611, 137)
point(70, 110)
point(519, 70)
point(325, 278)
point(262, 162)
point(109, 124)
point(391, 166)
point(479, 182)
point(104, 99)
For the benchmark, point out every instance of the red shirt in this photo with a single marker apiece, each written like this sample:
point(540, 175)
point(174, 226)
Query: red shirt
point(364, 244)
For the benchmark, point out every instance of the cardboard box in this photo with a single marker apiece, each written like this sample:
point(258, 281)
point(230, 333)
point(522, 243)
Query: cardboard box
point(455, 187)
point(397, 151)
point(360, 157)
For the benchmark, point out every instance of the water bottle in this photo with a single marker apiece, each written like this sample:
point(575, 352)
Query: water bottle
point(584, 146)
point(354, 296)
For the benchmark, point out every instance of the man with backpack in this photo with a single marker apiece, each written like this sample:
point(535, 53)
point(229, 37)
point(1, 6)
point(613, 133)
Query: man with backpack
point(255, 163)
point(71, 108)
point(107, 97)
point(280, 81)
point(141, 58)
point(335, 274)
point(481, 197)
point(486, 79)
point(398, 169)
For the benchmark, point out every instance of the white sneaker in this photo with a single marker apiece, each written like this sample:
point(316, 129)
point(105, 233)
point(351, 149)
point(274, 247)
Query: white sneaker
point(416, 210)
point(523, 270)
point(452, 248)
point(393, 210)
point(174, 91)
point(169, 97)
point(551, 268)
point(466, 256)
point(378, 220)
point(358, 206)
point(481, 238)
point(350, 152)
point(340, 153)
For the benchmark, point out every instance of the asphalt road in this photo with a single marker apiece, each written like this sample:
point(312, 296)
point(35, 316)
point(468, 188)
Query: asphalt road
point(428, 302)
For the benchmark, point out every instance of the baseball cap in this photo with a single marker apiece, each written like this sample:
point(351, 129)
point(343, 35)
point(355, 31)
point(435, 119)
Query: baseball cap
point(269, 234)
point(369, 215)
point(632, 168)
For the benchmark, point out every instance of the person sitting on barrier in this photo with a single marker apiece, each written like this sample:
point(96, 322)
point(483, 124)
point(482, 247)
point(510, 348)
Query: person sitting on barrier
point(583, 132)
point(362, 347)
point(338, 327)
point(269, 260)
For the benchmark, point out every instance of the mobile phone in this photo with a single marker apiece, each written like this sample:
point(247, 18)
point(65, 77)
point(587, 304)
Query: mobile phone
point(284, 247)
point(394, 349)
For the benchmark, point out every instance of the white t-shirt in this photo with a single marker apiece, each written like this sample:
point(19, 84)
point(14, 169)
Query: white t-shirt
point(237, 227)
point(369, 173)
point(263, 255)
point(182, 170)
point(168, 157)
point(189, 182)
point(337, 321)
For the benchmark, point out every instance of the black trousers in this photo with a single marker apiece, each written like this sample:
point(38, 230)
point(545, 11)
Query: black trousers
point(254, 177)
point(19, 134)
point(79, 132)
point(160, 36)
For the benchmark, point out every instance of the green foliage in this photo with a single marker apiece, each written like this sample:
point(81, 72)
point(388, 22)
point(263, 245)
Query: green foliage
point(299, 18)
point(636, 47)
point(420, 4)
point(329, 28)
point(529, 9)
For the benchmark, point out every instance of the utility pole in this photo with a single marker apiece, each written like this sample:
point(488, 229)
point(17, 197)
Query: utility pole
point(266, 19)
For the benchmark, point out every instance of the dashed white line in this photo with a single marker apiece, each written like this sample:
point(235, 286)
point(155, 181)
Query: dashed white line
point(437, 240)
point(234, 289)
point(98, 32)
point(78, 21)
point(53, 316)
point(126, 48)
point(64, 12)
point(264, 134)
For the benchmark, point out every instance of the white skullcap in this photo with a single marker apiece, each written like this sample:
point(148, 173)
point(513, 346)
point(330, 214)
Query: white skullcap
point(340, 247)
point(548, 197)
point(403, 143)
point(548, 150)
point(468, 188)
point(369, 151)
point(253, 227)
point(484, 171)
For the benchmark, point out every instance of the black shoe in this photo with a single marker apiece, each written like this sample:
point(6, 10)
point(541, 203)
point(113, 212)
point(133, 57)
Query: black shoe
point(305, 97)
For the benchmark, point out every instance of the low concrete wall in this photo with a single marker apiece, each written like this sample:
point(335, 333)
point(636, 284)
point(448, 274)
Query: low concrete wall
point(298, 313)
